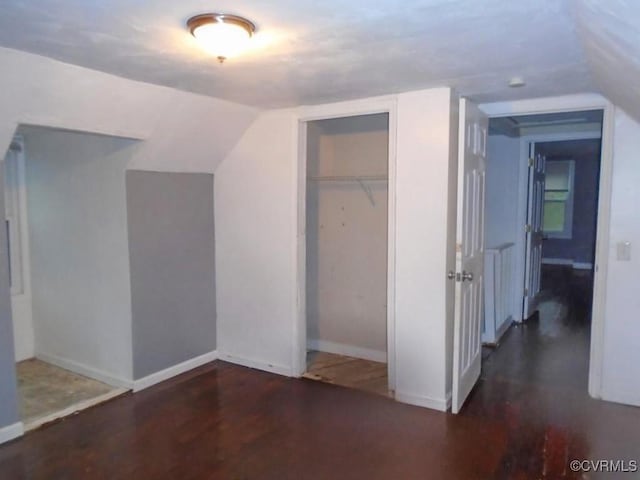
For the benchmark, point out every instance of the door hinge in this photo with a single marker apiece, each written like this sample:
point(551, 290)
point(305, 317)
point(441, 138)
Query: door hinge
point(532, 162)
point(526, 292)
point(527, 228)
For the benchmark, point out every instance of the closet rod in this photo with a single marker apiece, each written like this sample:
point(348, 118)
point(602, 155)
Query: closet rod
point(349, 178)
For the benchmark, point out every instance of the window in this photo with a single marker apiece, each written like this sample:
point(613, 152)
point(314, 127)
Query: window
point(558, 199)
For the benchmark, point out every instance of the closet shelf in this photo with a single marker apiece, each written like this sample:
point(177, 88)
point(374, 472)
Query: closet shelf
point(349, 178)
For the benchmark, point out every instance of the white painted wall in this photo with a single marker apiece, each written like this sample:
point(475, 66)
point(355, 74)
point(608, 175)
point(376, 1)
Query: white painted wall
point(256, 245)
point(425, 230)
point(621, 368)
point(347, 238)
point(502, 195)
point(81, 292)
point(502, 204)
point(255, 220)
point(182, 132)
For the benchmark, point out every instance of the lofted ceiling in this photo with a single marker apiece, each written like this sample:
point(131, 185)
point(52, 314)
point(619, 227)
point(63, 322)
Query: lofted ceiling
point(317, 52)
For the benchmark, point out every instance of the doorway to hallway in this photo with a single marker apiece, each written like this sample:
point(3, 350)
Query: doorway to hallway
point(543, 178)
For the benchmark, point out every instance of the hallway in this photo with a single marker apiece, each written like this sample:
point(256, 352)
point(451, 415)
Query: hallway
point(551, 348)
point(535, 383)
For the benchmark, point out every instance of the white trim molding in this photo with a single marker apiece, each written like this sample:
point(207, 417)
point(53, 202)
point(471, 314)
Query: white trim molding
point(173, 371)
point(55, 122)
point(347, 350)
point(532, 106)
point(11, 432)
point(85, 370)
point(502, 329)
point(287, 371)
point(350, 108)
point(439, 404)
point(623, 396)
point(382, 104)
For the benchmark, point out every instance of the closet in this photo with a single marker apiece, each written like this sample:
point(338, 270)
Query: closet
point(346, 234)
point(67, 246)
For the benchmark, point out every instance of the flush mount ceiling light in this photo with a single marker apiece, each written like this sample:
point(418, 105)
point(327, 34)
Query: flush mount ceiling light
point(221, 34)
point(517, 82)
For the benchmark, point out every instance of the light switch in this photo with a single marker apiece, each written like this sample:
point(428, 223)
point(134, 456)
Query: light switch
point(624, 251)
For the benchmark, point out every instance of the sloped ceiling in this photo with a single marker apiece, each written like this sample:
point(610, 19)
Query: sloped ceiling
point(315, 52)
point(610, 33)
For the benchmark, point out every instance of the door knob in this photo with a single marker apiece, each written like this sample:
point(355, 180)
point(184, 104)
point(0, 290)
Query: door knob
point(451, 275)
point(467, 276)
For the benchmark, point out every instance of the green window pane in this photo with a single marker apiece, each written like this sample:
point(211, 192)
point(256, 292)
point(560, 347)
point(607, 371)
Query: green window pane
point(554, 214)
point(556, 196)
point(558, 175)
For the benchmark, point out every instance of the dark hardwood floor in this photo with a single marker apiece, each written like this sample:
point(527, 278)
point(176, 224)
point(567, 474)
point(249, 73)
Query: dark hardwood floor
point(529, 415)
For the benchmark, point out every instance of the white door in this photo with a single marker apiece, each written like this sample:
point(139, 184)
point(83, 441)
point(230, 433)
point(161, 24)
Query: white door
point(469, 297)
point(533, 231)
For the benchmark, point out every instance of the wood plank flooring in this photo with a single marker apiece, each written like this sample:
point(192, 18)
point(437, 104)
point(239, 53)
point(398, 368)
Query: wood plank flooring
point(527, 418)
point(348, 372)
point(228, 422)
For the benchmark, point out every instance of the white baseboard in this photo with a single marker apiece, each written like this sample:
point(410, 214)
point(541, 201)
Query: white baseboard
point(287, 371)
point(503, 328)
point(439, 404)
point(85, 370)
point(347, 350)
point(11, 432)
point(493, 340)
point(568, 262)
point(167, 373)
point(623, 397)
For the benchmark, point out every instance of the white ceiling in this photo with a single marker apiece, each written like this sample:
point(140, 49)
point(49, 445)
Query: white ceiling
point(315, 52)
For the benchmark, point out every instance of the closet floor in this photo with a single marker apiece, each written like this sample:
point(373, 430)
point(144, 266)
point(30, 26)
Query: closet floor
point(47, 393)
point(348, 372)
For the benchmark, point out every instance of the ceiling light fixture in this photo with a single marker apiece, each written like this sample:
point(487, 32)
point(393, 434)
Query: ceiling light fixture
point(221, 34)
point(517, 82)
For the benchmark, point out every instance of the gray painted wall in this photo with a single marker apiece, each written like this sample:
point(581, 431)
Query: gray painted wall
point(586, 153)
point(172, 255)
point(8, 385)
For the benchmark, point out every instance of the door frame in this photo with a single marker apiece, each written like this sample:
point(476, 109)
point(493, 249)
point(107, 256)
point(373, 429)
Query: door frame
point(572, 103)
point(523, 203)
point(305, 114)
point(21, 307)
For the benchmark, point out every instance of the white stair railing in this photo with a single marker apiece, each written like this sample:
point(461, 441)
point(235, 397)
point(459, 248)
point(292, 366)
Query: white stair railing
point(499, 294)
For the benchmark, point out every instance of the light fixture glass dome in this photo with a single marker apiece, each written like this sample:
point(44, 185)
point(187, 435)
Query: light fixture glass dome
point(220, 34)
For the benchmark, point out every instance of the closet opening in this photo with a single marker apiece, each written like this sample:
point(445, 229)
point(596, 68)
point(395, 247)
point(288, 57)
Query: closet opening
point(67, 246)
point(347, 231)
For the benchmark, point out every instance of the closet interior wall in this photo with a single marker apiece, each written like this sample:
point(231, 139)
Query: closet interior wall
point(347, 164)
